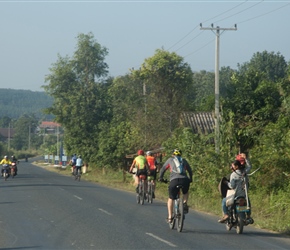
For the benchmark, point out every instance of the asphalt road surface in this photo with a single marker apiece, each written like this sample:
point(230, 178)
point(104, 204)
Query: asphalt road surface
point(44, 210)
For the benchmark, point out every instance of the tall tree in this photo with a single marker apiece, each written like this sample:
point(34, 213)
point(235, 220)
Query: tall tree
point(77, 87)
point(164, 81)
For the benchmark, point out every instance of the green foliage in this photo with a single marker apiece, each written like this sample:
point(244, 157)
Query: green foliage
point(273, 66)
point(15, 103)
point(25, 135)
point(79, 101)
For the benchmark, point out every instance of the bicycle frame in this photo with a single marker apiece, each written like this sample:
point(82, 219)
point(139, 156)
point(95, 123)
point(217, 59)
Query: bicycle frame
point(178, 213)
point(150, 184)
point(141, 188)
point(77, 173)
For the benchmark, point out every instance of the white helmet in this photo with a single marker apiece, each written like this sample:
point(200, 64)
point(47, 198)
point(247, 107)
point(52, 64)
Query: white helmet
point(148, 153)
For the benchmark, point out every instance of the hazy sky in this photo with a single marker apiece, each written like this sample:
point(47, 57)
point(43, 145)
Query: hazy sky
point(33, 33)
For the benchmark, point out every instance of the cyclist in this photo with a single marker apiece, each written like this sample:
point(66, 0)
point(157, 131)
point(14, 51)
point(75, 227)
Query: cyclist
point(73, 162)
point(178, 176)
point(79, 164)
point(141, 164)
point(152, 169)
point(5, 161)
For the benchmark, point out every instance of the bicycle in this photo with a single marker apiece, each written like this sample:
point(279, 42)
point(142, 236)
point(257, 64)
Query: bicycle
point(178, 214)
point(150, 189)
point(141, 189)
point(77, 173)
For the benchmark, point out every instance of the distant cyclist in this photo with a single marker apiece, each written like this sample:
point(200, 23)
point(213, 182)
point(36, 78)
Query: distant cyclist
point(73, 162)
point(152, 169)
point(79, 164)
point(141, 164)
point(178, 168)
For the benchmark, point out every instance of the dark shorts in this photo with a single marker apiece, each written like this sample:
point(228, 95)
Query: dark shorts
point(153, 174)
point(173, 191)
point(141, 172)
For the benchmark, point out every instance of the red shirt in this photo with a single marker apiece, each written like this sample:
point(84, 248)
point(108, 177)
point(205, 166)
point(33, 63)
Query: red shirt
point(151, 162)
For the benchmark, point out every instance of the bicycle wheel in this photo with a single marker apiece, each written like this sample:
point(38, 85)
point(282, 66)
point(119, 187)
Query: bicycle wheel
point(180, 216)
point(151, 193)
point(138, 194)
point(79, 175)
point(172, 223)
point(142, 193)
point(148, 191)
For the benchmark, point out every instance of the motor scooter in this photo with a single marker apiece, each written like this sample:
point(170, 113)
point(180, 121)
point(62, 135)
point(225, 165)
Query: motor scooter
point(6, 171)
point(13, 169)
point(240, 210)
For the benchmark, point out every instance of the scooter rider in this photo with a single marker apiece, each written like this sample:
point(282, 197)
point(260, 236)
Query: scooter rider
point(240, 169)
point(5, 161)
point(14, 160)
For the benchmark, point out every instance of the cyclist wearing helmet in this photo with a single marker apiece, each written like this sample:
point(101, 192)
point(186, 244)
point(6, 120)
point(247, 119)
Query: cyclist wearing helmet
point(5, 161)
point(141, 164)
point(79, 164)
point(152, 168)
point(178, 168)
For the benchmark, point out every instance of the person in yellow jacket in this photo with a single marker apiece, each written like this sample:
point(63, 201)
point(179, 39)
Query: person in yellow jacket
point(142, 166)
point(5, 161)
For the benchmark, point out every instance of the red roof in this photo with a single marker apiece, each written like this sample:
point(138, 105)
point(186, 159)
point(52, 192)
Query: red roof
point(46, 124)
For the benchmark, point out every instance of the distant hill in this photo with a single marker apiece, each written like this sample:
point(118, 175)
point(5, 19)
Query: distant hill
point(15, 103)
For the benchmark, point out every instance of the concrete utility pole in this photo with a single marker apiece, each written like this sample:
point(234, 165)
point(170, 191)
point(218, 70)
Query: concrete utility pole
point(217, 30)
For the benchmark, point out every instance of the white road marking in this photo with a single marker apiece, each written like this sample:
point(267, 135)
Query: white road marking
point(78, 197)
point(160, 239)
point(104, 211)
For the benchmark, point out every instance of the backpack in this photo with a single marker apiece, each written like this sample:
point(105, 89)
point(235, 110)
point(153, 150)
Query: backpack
point(178, 165)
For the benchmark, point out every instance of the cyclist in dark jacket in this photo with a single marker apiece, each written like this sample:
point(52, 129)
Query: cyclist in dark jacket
point(178, 176)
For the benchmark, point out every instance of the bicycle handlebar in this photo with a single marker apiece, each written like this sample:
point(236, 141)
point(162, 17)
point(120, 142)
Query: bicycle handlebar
point(163, 180)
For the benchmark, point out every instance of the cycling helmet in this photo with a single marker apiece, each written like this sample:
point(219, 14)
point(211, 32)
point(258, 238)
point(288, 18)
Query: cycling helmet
point(177, 152)
point(148, 153)
point(5, 156)
point(240, 159)
point(140, 152)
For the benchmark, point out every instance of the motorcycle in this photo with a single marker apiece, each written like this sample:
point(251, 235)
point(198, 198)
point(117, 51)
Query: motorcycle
point(239, 211)
point(13, 169)
point(239, 215)
point(6, 171)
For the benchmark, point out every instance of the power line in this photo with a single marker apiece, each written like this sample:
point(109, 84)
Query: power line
point(269, 12)
point(264, 13)
point(197, 27)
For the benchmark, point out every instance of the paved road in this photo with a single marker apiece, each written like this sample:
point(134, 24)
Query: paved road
point(44, 210)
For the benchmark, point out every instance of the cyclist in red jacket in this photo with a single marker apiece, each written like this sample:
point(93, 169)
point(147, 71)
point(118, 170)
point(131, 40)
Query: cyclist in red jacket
point(152, 169)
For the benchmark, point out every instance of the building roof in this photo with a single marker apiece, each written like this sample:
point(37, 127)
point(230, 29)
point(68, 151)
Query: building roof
point(200, 122)
point(48, 124)
point(7, 132)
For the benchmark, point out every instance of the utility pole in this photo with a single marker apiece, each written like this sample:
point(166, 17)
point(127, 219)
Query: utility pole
point(145, 102)
point(9, 135)
point(29, 137)
point(217, 30)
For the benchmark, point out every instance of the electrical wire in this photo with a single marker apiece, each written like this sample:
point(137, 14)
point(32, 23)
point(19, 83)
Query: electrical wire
point(249, 19)
point(198, 26)
point(211, 41)
point(264, 14)
point(241, 11)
